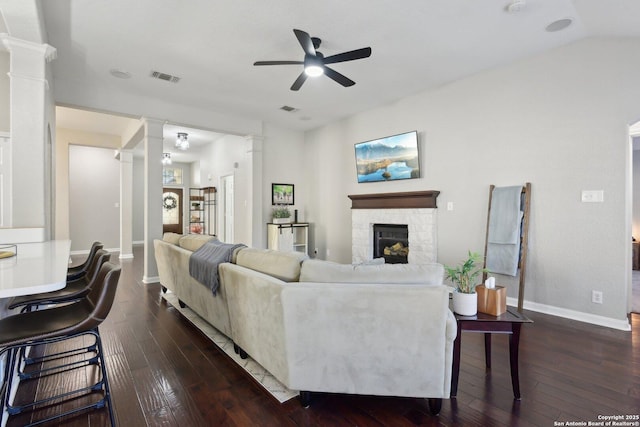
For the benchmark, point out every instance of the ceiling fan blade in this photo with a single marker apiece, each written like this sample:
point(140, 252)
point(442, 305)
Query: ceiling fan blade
point(334, 75)
point(298, 83)
point(365, 52)
point(305, 41)
point(278, 63)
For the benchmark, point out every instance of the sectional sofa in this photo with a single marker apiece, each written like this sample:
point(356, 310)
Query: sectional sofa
point(319, 326)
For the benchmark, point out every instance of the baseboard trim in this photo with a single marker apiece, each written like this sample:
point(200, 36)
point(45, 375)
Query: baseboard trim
point(148, 280)
point(86, 251)
point(580, 316)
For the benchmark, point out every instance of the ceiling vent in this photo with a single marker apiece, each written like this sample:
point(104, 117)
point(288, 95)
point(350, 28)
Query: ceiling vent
point(288, 109)
point(165, 77)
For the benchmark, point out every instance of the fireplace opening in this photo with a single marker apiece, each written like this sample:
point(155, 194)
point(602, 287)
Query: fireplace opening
point(391, 242)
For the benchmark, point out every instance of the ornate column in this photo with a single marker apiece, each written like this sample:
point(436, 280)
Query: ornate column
point(28, 88)
point(152, 195)
point(258, 227)
point(126, 204)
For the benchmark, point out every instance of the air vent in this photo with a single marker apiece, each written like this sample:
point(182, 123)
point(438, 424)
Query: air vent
point(288, 109)
point(165, 77)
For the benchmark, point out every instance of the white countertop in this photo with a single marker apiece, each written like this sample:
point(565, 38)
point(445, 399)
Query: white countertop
point(38, 267)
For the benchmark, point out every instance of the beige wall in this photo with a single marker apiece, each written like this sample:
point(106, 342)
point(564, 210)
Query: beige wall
point(64, 138)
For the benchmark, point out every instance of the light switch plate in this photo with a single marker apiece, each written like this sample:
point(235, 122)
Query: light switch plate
point(593, 196)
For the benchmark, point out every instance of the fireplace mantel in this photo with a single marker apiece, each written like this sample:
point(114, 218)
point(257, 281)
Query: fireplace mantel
point(406, 200)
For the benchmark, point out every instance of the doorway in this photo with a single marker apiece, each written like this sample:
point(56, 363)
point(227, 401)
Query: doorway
point(172, 210)
point(227, 208)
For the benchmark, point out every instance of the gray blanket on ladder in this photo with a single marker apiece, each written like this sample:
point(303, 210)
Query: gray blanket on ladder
point(204, 262)
point(503, 239)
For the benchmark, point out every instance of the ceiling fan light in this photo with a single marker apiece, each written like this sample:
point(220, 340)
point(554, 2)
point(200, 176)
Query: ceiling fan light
point(314, 70)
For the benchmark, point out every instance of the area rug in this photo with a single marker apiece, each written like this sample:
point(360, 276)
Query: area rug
point(262, 377)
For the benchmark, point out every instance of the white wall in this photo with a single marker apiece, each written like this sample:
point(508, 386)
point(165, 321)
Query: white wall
point(283, 150)
point(219, 159)
point(559, 120)
point(94, 192)
point(4, 92)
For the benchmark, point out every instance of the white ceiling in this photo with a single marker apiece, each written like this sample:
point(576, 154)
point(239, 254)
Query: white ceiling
point(90, 121)
point(416, 45)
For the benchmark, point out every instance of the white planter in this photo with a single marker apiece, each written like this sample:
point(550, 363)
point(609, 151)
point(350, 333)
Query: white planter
point(465, 304)
point(281, 220)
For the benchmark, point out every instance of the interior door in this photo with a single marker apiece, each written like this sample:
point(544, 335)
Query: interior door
point(172, 210)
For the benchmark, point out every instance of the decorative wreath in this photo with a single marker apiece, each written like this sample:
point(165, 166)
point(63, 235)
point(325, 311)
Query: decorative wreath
point(169, 202)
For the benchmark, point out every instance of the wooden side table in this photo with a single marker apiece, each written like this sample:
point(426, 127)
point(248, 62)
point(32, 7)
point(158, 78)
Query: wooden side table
point(507, 323)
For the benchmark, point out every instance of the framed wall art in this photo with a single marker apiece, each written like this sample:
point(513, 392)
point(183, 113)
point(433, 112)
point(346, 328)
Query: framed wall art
point(282, 194)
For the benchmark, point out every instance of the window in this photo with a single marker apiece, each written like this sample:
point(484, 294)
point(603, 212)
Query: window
point(172, 176)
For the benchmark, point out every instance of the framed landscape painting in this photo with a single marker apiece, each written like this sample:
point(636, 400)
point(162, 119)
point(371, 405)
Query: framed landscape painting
point(282, 194)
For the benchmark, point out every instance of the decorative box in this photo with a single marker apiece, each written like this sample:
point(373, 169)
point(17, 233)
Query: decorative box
point(492, 301)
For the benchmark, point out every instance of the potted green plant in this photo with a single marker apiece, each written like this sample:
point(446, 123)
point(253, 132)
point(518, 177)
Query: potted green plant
point(281, 214)
point(465, 277)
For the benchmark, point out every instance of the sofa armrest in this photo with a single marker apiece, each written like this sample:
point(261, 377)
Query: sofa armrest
point(167, 259)
point(369, 338)
point(255, 314)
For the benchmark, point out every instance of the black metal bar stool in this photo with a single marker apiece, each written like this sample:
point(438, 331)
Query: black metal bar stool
point(80, 270)
point(58, 324)
point(74, 289)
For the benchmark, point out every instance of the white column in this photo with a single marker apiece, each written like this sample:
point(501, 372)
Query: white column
point(28, 88)
point(126, 204)
point(152, 195)
point(258, 227)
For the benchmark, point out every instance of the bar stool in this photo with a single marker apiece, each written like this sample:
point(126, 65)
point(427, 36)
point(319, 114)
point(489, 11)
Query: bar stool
point(74, 289)
point(58, 324)
point(80, 270)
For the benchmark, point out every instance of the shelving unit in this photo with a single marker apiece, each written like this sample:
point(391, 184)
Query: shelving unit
point(292, 237)
point(202, 211)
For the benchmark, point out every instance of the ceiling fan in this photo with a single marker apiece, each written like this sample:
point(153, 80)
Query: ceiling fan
point(315, 64)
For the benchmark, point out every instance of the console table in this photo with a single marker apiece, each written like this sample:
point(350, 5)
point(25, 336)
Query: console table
point(507, 323)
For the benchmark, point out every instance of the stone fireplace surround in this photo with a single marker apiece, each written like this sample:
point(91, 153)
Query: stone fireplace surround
point(416, 209)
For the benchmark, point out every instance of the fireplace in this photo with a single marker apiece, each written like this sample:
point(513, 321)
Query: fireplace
point(391, 242)
point(415, 210)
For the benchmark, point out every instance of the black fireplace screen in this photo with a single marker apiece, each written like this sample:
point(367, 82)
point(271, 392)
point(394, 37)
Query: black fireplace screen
point(391, 241)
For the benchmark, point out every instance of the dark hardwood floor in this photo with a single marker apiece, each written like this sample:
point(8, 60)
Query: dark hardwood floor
point(165, 372)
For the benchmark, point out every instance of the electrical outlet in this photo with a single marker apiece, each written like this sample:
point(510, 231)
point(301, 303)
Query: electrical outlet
point(596, 297)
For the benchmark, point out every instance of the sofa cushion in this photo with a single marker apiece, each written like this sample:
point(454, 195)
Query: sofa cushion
point(193, 242)
point(281, 265)
point(331, 272)
point(172, 238)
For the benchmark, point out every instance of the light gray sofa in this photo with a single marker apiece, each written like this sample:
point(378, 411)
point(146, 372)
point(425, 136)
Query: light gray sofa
point(172, 257)
point(319, 326)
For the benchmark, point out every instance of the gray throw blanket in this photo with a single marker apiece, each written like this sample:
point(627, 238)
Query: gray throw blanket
point(503, 239)
point(203, 263)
